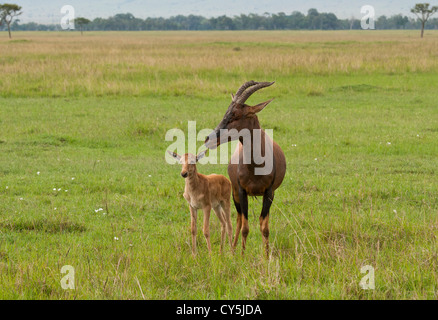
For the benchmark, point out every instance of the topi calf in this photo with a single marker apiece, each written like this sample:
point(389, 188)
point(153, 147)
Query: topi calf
point(205, 193)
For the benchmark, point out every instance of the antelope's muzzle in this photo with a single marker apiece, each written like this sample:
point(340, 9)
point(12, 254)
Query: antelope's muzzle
point(212, 141)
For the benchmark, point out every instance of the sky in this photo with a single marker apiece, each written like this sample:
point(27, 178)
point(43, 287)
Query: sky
point(49, 11)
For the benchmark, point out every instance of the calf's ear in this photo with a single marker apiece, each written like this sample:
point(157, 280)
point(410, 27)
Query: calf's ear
point(175, 155)
point(201, 155)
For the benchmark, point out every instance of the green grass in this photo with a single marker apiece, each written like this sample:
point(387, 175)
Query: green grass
point(360, 189)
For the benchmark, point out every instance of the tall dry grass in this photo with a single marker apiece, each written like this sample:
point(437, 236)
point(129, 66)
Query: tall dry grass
point(149, 63)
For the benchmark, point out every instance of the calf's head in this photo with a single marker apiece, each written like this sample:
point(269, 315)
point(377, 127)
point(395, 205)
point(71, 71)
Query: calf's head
point(188, 162)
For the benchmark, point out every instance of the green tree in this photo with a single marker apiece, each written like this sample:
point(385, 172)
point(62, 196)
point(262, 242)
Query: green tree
point(423, 12)
point(7, 13)
point(279, 21)
point(382, 22)
point(313, 19)
point(400, 21)
point(81, 22)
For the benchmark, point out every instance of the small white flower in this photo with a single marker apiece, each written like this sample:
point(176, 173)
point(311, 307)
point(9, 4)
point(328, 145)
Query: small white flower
point(21, 199)
point(294, 145)
point(7, 187)
point(150, 176)
point(104, 213)
point(316, 159)
point(66, 190)
point(72, 178)
point(38, 173)
point(59, 189)
point(388, 143)
point(55, 208)
point(395, 211)
point(115, 238)
point(54, 189)
point(418, 135)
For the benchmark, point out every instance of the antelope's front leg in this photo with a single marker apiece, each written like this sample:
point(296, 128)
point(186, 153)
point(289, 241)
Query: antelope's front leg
point(268, 197)
point(193, 218)
point(206, 229)
point(238, 222)
point(243, 199)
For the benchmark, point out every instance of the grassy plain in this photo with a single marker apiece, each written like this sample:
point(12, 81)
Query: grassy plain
point(82, 127)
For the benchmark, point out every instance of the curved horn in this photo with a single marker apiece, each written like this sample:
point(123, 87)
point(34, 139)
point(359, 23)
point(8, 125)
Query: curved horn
point(245, 86)
point(242, 95)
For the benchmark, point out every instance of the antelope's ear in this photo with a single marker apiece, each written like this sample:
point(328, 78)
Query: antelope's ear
point(260, 106)
point(175, 155)
point(201, 155)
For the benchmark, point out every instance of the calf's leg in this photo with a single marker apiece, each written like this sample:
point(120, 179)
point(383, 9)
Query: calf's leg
point(193, 230)
point(221, 218)
point(206, 228)
point(226, 210)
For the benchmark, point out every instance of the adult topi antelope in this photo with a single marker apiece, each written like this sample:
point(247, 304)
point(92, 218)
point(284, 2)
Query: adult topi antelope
point(255, 152)
point(206, 193)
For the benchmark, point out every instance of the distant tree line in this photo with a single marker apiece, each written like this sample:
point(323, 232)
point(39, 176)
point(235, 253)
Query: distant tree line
point(314, 20)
